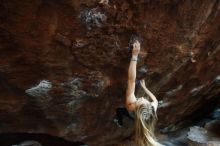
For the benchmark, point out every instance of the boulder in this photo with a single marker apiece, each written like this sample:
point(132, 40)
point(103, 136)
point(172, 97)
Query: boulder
point(63, 66)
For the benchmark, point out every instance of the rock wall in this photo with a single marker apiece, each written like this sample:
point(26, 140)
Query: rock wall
point(63, 66)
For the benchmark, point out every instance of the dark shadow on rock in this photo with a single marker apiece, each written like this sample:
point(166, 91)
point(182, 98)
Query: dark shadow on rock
point(17, 139)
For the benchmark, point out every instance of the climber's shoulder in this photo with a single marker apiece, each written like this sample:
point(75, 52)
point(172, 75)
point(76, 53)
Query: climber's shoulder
point(131, 102)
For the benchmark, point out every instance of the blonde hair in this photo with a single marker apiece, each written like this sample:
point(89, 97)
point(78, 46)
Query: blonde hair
point(144, 126)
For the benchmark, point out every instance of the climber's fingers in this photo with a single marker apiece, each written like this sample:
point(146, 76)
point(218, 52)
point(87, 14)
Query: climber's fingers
point(136, 48)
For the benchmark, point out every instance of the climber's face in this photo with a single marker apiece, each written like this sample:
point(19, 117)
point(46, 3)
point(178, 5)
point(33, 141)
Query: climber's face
point(141, 101)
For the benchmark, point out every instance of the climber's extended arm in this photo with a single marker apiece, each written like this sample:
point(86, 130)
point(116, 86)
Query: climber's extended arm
point(155, 101)
point(130, 96)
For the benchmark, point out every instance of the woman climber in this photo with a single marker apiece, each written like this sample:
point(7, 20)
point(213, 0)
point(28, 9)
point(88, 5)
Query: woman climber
point(145, 111)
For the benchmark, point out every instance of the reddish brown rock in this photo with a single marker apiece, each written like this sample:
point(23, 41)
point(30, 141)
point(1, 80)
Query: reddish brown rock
point(63, 66)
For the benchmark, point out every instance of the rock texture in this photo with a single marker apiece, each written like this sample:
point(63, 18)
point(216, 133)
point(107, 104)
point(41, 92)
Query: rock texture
point(200, 136)
point(34, 139)
point(63, 66)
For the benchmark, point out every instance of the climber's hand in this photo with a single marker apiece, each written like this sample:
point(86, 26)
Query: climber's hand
point(143, 83)
point(136, 48)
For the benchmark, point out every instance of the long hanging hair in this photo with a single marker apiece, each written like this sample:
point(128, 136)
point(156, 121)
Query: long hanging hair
point(144, 126)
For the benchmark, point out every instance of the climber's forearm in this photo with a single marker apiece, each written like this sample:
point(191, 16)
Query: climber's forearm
point(150, 94)
point(131, 79)
point(132, 69)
